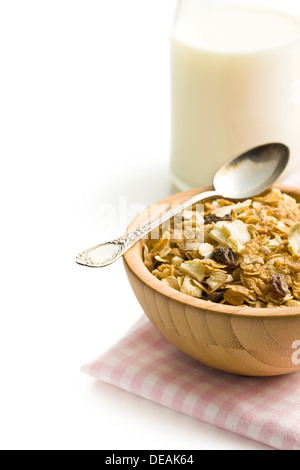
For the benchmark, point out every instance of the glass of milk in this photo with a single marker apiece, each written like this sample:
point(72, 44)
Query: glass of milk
point(235, 83)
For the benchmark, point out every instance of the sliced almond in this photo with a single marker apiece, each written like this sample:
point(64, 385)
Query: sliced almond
point(294, 240)
point(225, 210)
point(234, 235)
point(205, 249)
point(190, 288)
point(172, 281)
point(194, 269)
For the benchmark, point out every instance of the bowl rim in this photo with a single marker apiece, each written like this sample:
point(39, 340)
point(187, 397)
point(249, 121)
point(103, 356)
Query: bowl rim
point(134, 262)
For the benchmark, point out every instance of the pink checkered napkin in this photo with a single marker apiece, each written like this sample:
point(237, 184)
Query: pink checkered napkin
point(146, 364)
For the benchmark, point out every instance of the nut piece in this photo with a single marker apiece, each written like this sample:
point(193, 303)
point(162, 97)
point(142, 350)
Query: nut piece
point(278, 286)
point(205, 249)
point(273, 196)
point(227, 210)
point(195, 269)
point(172, 281)
point(218, 278)
point(190, 288)
point(294, 240)
point(224, 255)
point(234, 235)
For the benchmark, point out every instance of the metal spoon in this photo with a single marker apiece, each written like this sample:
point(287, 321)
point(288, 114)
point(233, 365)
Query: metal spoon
point(243, 177)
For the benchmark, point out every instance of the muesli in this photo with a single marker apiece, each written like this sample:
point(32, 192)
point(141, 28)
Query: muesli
point(242, 254)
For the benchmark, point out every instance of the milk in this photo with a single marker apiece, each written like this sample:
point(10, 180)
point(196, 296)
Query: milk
point(234, 71)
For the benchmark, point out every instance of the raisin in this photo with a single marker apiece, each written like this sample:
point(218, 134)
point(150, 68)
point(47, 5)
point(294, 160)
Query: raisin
point(278, 285)
point(224, 255)
point(214, 219)
point(216, 296)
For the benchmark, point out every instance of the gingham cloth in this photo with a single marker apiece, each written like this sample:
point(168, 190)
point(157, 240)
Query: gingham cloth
point(146, 364)
point(143, 362)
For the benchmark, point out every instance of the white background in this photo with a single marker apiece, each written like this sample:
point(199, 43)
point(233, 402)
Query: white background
point(84, 122)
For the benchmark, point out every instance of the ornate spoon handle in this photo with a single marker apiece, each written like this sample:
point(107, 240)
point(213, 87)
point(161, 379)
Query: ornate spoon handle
point(107, 253)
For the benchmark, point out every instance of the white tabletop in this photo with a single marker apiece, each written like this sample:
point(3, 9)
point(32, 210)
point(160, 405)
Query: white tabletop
point(84, 145)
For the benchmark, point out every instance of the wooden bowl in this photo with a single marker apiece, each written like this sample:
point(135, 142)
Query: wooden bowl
point(245, 341)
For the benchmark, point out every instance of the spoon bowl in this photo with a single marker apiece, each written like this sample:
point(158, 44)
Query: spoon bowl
point(253, 172)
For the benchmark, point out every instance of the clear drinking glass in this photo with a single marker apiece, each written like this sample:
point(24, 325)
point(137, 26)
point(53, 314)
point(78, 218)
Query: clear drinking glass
point(235, 83)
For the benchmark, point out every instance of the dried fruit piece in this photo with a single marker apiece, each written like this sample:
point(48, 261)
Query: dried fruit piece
point(216, 296)
point(212, 218)
point(224, 255)
point(278, 286)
